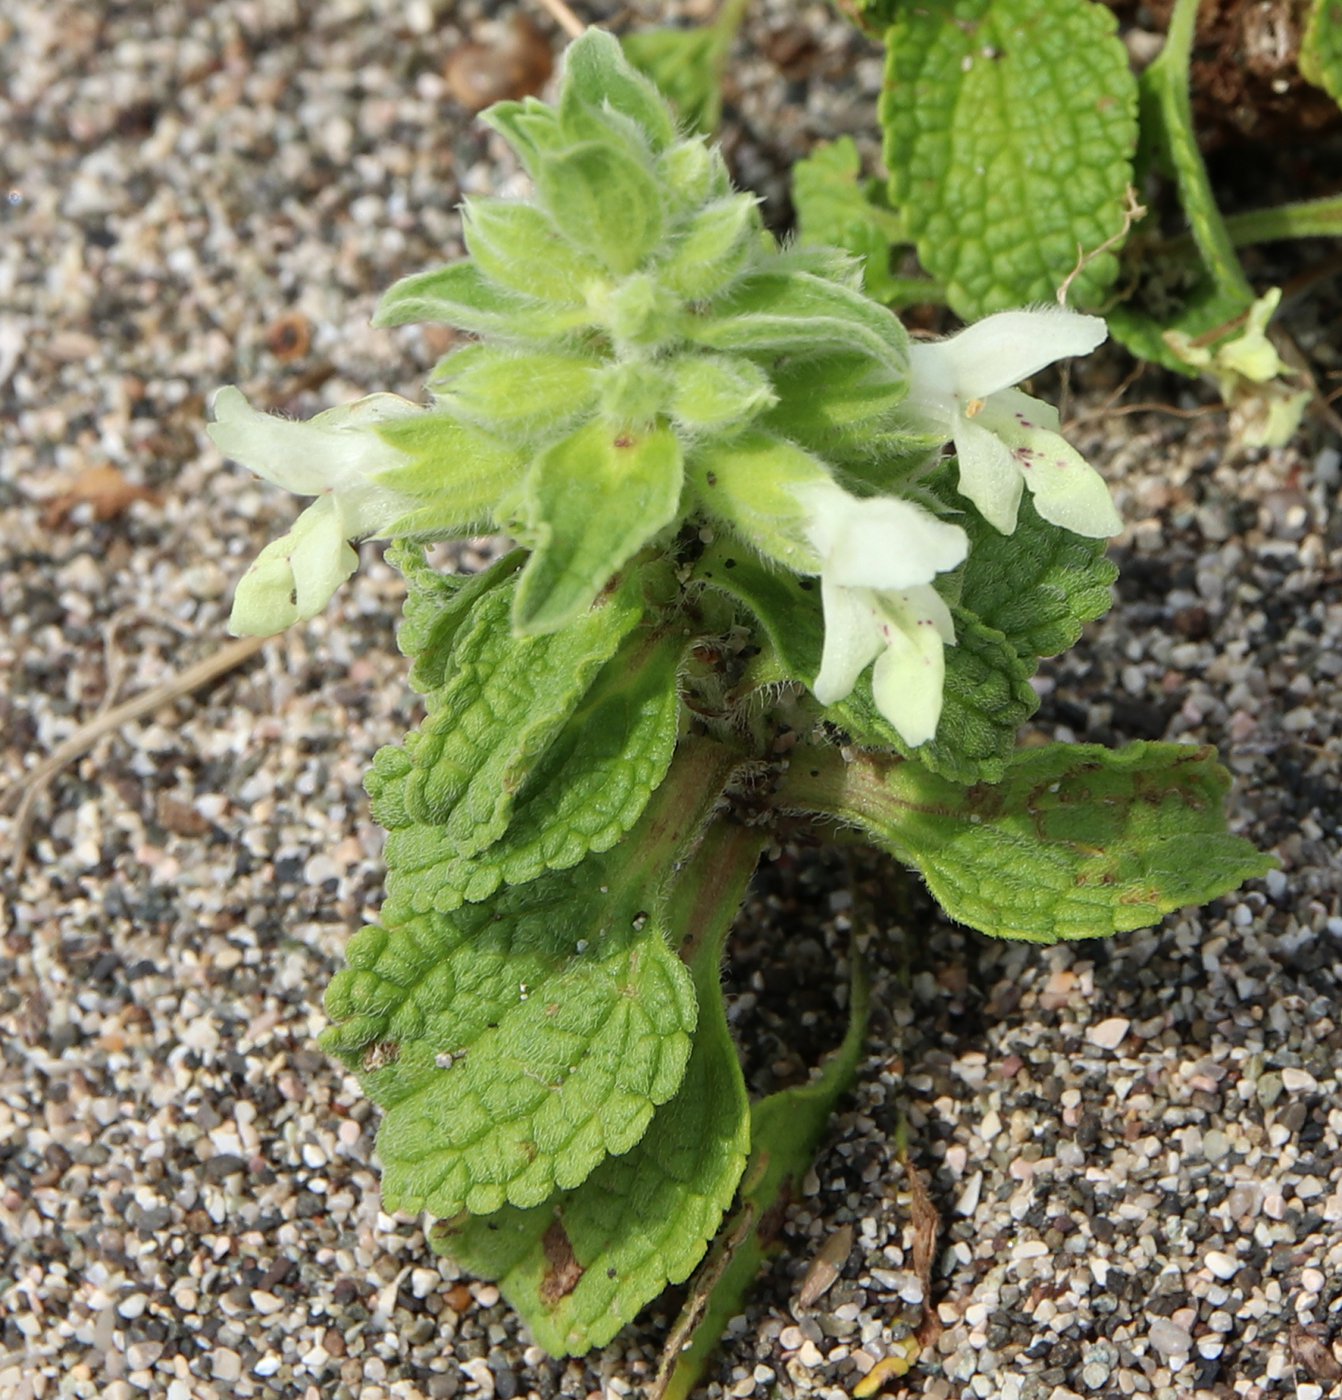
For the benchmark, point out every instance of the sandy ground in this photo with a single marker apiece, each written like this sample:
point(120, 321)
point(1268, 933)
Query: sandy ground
point(1136, 1147)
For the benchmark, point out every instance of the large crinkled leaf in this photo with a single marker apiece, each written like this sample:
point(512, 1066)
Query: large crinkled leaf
point(582, 1265)
point(592, 501)
point(1321, 49)
point(785, 1130)
point(585, 793)
point(1038, 586)
point(1010, 128)
point(437, 606)
point(515, 1045)
point(1078, 841)
point(987, 694)
point(503, 700)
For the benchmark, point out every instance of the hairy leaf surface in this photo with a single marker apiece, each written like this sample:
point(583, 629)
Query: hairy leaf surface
point(583, 1264)
point(515, 1045)
point(503, 700)
point(586, 791)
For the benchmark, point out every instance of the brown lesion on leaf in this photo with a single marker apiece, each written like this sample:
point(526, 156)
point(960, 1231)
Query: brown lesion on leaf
point(1143, 895)
point(379, 1055)
point(562, 1270)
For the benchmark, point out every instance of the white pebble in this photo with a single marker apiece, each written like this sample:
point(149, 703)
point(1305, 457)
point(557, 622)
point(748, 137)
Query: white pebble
point(1224, 1266)
point(1109, 1034)
point(1299, 1081)
point(133, 1306)
point(1169, 1339)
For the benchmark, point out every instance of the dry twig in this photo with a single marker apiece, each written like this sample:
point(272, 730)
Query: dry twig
point(106, 721)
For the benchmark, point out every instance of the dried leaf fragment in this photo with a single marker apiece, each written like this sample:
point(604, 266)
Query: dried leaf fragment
point(826, 1267)
point(102, 487)
point(516, 65)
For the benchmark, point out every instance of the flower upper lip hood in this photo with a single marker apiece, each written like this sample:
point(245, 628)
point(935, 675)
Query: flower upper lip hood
point(879, 556)
point(1004, 439)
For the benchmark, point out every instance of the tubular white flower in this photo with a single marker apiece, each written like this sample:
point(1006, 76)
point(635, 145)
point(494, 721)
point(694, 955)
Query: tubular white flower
point(878, 559)
point(337, 457)
point(1005, 440)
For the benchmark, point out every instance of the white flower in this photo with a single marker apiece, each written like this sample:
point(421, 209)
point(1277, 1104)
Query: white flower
point(336, 457)
point(878, 559)
point(1004, 439)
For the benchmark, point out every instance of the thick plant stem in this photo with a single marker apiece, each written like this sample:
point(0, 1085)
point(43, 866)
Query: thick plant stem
point(1166, 83)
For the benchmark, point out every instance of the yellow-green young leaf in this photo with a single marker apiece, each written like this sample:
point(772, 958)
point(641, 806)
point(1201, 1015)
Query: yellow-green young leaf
point(587, 790)
point(519, 396)
point(1010, 128)
point(518, 246)
point(504, 700)
point(717, 391)
point(604, 201)
point(712, 249)
point(836, 404)
point(1321, 50)
point(531, 127)
point(804, 314)
point(456, 472)
point(785, 1130)
point(460, 295)
point(591, 502)
point(1077, 841)
point(581, 1266)
point(513, 1045)
point(600, 80)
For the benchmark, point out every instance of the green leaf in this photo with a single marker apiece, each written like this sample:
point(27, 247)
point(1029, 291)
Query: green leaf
point(460, 295)
point(687, 66)
point(785, 1130)
point(586, 791)
point(458, 473)
point(437, 605)
point(1010, 128)
point(836, 207)
point(517, 246)
point(582, 1265)
point(592, 501)
point(503, 701)
point(987, 694)
point(800, 313)
point(513, 1045)
point(1078, 841)
point(1038, 586)
point(518, 396)
point(713, 248)
point(599, 78)
point(605, 202)
point(1321, 49)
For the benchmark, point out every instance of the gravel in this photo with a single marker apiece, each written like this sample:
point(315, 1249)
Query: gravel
point(1135, 1147)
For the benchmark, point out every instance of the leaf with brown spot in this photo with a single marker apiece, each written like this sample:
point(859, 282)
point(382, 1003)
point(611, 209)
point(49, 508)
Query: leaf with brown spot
point(562, 1270)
